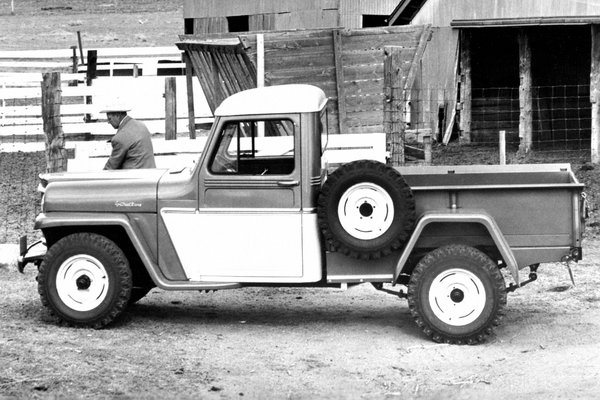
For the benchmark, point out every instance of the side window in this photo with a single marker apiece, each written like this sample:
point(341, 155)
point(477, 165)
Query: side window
point(255, 147)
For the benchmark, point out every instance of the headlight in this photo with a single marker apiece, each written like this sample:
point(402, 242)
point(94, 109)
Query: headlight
point(42, 202)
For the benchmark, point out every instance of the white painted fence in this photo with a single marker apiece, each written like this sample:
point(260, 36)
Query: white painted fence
point(91, 156)
point(20, 92)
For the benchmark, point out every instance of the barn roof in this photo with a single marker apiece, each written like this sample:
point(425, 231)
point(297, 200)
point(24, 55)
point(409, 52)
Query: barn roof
point(405, 12)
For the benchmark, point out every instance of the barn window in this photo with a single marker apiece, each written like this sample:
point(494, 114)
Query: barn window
point(371, 21)
point(188, 26)
point(239, 23)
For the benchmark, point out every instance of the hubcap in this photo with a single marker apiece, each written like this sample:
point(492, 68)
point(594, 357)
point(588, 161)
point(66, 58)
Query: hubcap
point(366, 211)
point(82, 282)
point(457, 297)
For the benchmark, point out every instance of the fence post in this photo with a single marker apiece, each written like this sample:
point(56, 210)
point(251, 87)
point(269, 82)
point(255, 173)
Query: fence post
point(56, 154)
point(502, 147)
point(74, 67)
point(427, 149)
point(393, 104)
point(170, 109)
point(90, 75)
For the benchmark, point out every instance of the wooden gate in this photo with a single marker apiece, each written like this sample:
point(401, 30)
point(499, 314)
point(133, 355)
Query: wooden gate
point(222, 67)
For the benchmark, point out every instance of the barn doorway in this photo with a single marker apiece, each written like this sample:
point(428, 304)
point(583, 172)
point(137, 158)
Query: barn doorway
point(560, 69)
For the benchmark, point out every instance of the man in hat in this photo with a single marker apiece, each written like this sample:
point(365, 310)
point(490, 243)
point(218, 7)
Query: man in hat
point(131, 145)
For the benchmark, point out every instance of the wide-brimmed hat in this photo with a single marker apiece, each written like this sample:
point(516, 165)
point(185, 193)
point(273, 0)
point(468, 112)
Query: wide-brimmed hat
point(116, 106)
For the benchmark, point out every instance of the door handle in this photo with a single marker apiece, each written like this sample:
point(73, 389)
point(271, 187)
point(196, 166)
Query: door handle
point(288, 183)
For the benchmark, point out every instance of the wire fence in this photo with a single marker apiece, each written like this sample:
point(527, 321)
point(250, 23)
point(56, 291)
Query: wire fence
point(561, 118)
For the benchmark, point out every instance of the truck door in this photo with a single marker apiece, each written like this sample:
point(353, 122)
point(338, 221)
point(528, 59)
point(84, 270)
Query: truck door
point(248, 223)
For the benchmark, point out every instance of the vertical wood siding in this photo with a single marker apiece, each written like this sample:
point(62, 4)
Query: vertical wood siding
point(308, 57)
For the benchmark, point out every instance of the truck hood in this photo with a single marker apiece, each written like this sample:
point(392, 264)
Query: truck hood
point(104, 191)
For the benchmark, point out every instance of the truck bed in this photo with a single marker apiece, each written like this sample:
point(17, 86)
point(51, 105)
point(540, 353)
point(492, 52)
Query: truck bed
point(522, 199)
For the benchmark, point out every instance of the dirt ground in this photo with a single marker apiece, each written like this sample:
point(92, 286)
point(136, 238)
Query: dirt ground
point(304, 344)
point(274, 343)
point(53, 24)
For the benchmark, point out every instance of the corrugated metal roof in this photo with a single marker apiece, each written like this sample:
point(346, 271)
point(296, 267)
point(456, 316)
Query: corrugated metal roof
point(535, 21)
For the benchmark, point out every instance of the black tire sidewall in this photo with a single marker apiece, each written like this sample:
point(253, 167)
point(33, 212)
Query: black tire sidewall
point(112, 263)
point(442, 262)
point(402, 201)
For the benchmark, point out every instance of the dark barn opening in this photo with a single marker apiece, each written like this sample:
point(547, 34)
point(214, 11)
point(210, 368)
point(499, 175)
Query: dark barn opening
point(238, 23)
point(373, 21)
point(560, 73)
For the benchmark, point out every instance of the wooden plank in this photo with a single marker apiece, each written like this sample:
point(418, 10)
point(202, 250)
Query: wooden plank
point(299, 59)
point(189, 82)
point(260, 60)
point(418, 55)
point(339, 79)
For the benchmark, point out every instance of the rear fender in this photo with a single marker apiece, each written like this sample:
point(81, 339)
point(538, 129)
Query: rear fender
point(460, 216)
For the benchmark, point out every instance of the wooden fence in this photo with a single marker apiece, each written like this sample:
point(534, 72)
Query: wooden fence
point(137, 76)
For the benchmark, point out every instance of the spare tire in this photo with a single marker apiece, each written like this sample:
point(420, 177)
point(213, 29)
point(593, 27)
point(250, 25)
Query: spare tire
point(366, 210)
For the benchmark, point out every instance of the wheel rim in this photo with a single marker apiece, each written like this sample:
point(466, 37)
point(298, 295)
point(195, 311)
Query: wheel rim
point(82, 282)
point(457, 297)
point(366, 211)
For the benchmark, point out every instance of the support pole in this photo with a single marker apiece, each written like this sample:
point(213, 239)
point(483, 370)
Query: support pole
point(502, 147)
point(595, 94)
point(80, 46)
point(260, 60)
point(393, 104)
point(170, 109)
point(525, 93)
point(466, 86)
point(90, 75)
point(56, 154)
point(189, 81)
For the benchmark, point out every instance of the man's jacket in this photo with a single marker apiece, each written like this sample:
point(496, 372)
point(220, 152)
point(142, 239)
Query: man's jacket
point(131, 146)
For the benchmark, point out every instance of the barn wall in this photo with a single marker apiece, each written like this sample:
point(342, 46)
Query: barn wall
point(287, 14)
point(442, 12)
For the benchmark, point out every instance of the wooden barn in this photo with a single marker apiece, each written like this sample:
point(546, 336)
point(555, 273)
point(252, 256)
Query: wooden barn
point(221, 16)
point(528, 67)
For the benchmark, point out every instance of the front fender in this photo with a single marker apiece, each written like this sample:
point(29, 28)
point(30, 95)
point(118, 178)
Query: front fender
point(461, 216)
point(69, 220)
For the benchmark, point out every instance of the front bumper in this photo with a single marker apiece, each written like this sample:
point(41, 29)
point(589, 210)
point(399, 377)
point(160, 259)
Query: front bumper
point(33, 253)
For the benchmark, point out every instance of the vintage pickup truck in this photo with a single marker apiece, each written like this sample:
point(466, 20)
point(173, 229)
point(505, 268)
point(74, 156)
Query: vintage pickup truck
point(259, 208)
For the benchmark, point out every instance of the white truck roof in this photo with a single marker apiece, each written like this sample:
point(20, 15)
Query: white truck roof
point(274, 100)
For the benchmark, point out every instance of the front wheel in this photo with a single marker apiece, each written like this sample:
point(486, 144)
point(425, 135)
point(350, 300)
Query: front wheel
point(85, 280)
point(455, 294)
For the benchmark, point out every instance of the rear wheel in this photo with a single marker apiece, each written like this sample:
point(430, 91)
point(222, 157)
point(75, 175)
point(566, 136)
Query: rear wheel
point(455, 294)
point(85, 280)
